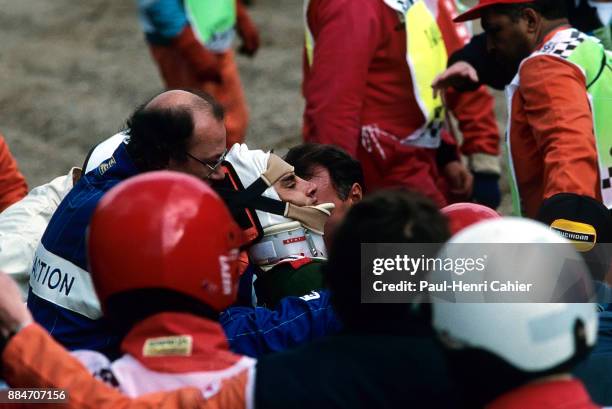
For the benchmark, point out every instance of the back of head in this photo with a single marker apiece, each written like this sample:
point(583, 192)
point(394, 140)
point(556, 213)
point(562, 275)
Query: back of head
point(513, 343)
point(344, 171)
point(163, 241)
point(383, 217)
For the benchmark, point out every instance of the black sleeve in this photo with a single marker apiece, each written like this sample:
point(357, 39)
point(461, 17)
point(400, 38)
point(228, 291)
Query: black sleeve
point(446, 153)
point(583, 17)
point(489, 71)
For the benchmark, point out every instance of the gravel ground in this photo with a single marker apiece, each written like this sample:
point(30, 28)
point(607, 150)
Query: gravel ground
point(72, 72)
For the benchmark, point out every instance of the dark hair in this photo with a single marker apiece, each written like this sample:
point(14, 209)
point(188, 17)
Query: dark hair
point(549, 9)
point(390, 216)
point(343, 170)
point(157, 134)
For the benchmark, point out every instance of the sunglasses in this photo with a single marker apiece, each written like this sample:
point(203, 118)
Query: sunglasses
point(212, 168)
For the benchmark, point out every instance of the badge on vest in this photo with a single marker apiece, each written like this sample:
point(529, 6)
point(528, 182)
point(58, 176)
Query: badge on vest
point(583, 236)
point(179, 345)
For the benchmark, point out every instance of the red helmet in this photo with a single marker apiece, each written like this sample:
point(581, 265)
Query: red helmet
point(462, 215)
point(164, 230)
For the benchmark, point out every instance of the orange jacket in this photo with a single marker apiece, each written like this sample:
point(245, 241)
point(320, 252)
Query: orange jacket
point(168, 351)
point(13, 186)
point(551, 133)
point(32, 359)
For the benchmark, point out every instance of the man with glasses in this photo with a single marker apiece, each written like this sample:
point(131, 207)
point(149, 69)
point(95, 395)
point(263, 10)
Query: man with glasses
point(212, 166)
point(176, 130)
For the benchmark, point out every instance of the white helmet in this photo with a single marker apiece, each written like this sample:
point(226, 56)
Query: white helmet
point(288, 231)
point(531, 337)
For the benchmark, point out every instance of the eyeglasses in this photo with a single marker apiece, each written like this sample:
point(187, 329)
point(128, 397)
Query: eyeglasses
point(213, 168)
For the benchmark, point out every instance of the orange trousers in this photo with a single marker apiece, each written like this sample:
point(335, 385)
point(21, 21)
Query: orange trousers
point(177, 73)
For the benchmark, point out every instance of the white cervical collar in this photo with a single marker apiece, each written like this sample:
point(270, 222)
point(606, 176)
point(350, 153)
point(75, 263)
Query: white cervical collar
point(283, 237)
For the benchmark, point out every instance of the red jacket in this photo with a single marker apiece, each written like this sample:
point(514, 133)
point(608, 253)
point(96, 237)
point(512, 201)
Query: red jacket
point(360, 77)
point(568, 394)
point(13, 186)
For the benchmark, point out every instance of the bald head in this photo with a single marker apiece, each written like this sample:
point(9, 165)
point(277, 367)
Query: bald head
point(178, 99)
point(172, 128)
point(171, 99)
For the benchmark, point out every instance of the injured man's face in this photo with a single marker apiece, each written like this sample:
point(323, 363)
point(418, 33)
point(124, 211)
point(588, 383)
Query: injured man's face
point(295, 190)
point(251, 164)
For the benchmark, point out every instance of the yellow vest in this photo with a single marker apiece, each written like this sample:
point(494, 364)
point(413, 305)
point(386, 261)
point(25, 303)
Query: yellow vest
point(426, 57)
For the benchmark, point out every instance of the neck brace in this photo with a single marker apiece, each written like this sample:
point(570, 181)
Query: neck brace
point(284, 229)
point(284, 241)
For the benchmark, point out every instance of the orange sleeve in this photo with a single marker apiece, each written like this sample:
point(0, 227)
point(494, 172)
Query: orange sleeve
point(32, 359)
point(556, 105)
point(475, 113)
point(13, 186)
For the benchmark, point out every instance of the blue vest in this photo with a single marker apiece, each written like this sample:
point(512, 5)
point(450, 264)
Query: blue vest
point(61, 297)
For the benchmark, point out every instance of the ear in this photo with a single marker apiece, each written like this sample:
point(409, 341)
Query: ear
point(532, 19)
point(355, 194)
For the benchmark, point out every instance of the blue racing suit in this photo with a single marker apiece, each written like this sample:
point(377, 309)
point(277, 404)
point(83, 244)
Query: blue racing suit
point(296, 320)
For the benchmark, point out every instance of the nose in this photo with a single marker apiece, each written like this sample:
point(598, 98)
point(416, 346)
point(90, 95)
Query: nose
point(311, 189)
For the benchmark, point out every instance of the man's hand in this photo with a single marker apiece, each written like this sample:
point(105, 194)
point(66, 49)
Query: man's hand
point(460, 75)
point(14, 314)
point(247, 31)
point(460, 179)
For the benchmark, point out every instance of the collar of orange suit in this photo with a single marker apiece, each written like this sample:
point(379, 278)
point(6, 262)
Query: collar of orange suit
point(174, 342)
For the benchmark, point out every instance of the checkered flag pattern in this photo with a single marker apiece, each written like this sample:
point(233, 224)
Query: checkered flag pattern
point(606, 178)
point(436, 124)
point(564, 49)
